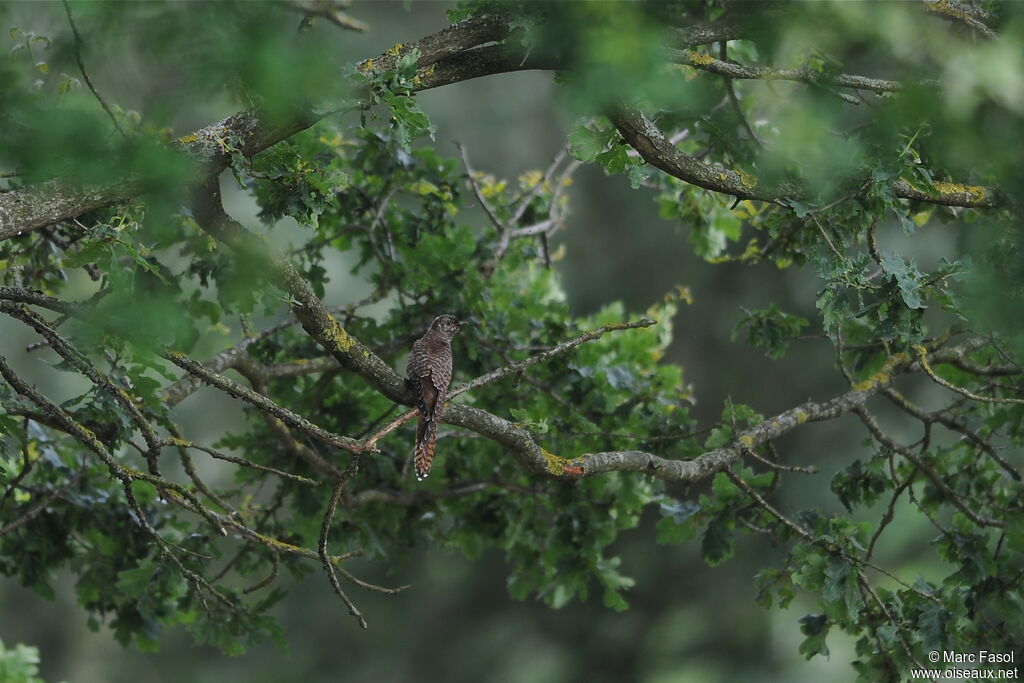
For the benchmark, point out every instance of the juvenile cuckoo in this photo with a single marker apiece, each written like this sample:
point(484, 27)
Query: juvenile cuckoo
point(430, 372)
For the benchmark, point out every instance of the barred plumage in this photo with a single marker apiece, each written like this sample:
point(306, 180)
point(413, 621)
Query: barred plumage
point(430, 372)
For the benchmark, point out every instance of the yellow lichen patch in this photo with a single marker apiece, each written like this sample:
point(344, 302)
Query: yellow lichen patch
point(801, 416)
point(945, 8)
point(395, 49)
point(125, 396)
point(976, 193)
point(367, 65)
point(747, 440)
point(747, 180)
point(186, 139)
point(883, 375)
point(89, 434)
point(699, 58)
point(553, 463)
point(723, 177)
point(340, 337)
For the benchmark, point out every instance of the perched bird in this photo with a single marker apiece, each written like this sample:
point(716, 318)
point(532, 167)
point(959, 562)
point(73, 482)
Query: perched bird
point(429, 373)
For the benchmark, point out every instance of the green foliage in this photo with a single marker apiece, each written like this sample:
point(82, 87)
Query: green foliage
point(602, 144)
point(394, 89)
point(19, 665)
point(770, 330)
point(376, 202)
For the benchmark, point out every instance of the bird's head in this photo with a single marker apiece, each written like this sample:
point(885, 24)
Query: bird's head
point(447, 325)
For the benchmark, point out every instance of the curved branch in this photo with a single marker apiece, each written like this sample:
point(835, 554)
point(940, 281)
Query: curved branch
point(85, 74)
point(445, 57)
point(658, 150)
point(311, 313)
point(406, 498)
point(704, 62)
point(325, 528)
point(519, 441)
point(31, 208)
point(260, 402)
point(969, 16)
point(537, 459)
point(936, 478)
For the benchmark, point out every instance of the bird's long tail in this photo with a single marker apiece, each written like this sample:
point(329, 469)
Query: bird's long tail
point(423, 457)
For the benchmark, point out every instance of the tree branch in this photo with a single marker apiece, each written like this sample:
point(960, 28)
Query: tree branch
point(447, 56)
point(521, 443)
point(331, 11)
point(260, 402)
point(85, 74)
point(924, 467)
point(31, 208)
point(657, 150)
point(325, 529)
point(964, 14)
point(705, 62)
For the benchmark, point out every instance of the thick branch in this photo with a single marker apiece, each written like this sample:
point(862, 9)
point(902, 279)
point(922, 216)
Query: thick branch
point(658, 150)
point(260, 402)
point(445, 57)
point(507, 370)
point(717, 459)
point(708, 63)
point(311, 313)
point(969, 16)
point(252, 131)
point(521, 443)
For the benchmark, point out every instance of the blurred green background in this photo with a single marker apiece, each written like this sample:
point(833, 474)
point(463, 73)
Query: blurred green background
point(687, 623)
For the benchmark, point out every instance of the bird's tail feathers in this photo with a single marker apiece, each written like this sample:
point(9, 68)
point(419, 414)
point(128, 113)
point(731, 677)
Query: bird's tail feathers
point(424, 454)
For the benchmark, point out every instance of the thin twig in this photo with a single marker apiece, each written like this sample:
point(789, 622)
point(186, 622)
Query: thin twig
point(34, 512)
point(810, 469)
point(922, 356)
point(85, 74)
point(260, 402)
point(325, 529)
point(240, 461)
point(925, 468)
point(825, 235)
point(731, 92)
point(276, 558)
point(545, 355)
